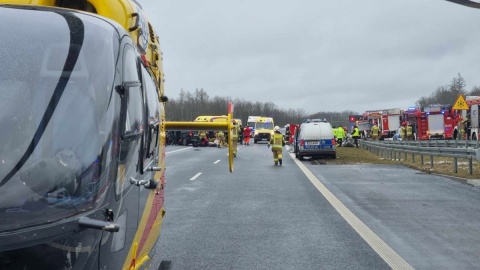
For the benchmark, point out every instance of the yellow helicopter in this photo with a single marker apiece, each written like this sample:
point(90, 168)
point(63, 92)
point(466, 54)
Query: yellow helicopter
point(82, 159)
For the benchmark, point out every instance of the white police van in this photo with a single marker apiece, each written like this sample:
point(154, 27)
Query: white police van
point(314, 139)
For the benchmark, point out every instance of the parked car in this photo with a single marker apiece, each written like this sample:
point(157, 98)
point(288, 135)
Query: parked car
point(183, 138)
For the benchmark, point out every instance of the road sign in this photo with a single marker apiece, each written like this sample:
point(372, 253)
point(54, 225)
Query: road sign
point(460, 104)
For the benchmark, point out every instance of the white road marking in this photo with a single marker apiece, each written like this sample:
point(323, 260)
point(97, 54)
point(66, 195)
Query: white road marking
point(195, 176)
point(216, 161)
point(384, 250)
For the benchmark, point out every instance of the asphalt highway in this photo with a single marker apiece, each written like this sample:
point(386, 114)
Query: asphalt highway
point(303, 215)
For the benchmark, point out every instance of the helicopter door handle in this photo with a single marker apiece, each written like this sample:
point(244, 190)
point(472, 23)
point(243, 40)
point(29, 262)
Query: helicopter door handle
point(98, 224)
point(148, 184)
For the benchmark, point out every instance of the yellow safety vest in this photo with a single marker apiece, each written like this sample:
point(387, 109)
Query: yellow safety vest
point(356, 132)
point(340, 133)
point(375, 130)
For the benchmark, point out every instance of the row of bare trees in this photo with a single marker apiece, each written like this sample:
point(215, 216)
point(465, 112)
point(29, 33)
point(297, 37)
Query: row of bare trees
point(190, 105)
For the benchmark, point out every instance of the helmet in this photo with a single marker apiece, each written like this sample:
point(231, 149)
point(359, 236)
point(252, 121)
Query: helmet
point(276, 128)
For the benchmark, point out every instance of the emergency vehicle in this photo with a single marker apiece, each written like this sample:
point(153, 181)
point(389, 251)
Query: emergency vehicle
point(83, 160)
point(222, 119)
point(290, 132)
point(418, 120)
point(441, 121)
point(82, 172)
point(468, 120)
point(263, 129)
point(251, 123)
point(366, 121)
point(391, 120)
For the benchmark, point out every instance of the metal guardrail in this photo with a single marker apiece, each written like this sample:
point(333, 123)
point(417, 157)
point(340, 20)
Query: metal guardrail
point(437, 143)
point(453, 149)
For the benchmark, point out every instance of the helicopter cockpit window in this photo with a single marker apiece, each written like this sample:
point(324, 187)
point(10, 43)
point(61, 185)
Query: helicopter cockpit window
point(153, 112)
point(134, 114)
point(56, 110)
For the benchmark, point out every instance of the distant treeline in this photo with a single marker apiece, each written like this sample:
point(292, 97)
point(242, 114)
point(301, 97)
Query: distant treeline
point(190, 105)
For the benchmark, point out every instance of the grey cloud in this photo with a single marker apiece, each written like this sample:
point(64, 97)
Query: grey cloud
point(317, 55)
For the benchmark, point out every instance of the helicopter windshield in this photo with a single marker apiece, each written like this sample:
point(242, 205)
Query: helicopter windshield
point(55, 87)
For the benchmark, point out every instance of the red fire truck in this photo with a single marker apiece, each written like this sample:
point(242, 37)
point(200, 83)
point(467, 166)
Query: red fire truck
point(290, 132)
point(418, 119)
point(366, 121)
point(390, 123)
point(441, 121)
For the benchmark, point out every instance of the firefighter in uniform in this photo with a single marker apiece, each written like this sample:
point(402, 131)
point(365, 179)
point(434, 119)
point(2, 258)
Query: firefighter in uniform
point(203, 138)
point(403, 132)
point(277, 141)
point(221, 139)
point(375, 131)
point(409, 132)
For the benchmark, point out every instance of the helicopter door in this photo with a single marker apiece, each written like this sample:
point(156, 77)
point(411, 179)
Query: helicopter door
point(116, 246)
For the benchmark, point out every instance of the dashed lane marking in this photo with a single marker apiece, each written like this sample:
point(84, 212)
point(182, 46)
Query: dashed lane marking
point(195, 176)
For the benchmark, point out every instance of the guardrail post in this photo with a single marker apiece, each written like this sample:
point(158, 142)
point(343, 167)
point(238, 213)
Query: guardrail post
point(421, 159)
point(455, 165)
point(405, 156)
point(413, 157)
point(470, 165)
point(431, 162)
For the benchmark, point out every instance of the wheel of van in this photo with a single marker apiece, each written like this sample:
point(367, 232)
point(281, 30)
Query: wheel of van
point(334, 156)
point(474, 137)
point(300, 157)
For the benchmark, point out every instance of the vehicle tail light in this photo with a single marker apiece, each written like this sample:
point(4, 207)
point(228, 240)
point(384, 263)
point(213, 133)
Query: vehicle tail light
point(302, 142)
point(334, 142)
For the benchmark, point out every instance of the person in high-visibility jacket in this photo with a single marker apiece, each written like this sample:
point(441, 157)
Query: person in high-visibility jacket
point(334, 129)
point(340, 135)
point(277, 141)
point(221, 139)
point(375, 132)
point(409, 132)
point(403, 132)
point(355, 135)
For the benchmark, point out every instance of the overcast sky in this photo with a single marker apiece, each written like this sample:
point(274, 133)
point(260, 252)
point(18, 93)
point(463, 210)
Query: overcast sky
point(317, 55)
